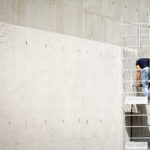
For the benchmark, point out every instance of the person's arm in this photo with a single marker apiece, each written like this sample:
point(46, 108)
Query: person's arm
point(138, 75)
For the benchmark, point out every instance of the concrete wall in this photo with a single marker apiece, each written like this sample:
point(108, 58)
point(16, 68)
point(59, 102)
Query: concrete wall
point(92, 19)
point(58, 92)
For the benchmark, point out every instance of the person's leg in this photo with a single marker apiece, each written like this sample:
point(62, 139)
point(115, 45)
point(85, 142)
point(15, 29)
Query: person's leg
point(144, 80)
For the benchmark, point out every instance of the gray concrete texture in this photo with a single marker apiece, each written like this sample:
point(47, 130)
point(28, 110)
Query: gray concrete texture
point(58, 92)
point(92, 19)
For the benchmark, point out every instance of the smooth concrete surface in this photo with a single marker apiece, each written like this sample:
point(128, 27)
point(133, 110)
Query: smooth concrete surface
point(98, 20)
point(58, 92)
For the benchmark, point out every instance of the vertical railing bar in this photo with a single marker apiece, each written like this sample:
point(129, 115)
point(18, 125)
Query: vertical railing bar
point(139, 41)
point(123, 98)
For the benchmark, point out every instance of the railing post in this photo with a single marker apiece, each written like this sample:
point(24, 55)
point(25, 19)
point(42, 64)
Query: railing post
point(139, 41)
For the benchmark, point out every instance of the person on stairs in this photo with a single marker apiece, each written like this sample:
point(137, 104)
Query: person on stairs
point(143, 74)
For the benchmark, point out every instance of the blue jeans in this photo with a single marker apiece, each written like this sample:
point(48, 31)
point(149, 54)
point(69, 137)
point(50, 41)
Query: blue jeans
point(145, 75)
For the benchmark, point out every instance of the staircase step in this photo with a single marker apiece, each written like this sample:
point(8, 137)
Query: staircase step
point(136, 145)
point(136, 100)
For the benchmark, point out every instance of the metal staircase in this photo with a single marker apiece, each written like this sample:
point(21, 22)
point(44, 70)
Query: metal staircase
point(135, 45)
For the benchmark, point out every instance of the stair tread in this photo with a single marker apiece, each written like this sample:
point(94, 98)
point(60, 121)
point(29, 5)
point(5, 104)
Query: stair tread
point(136, 100)
point(136, 145)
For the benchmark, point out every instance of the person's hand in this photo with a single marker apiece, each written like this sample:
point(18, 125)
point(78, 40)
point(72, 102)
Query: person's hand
point(137, 83)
